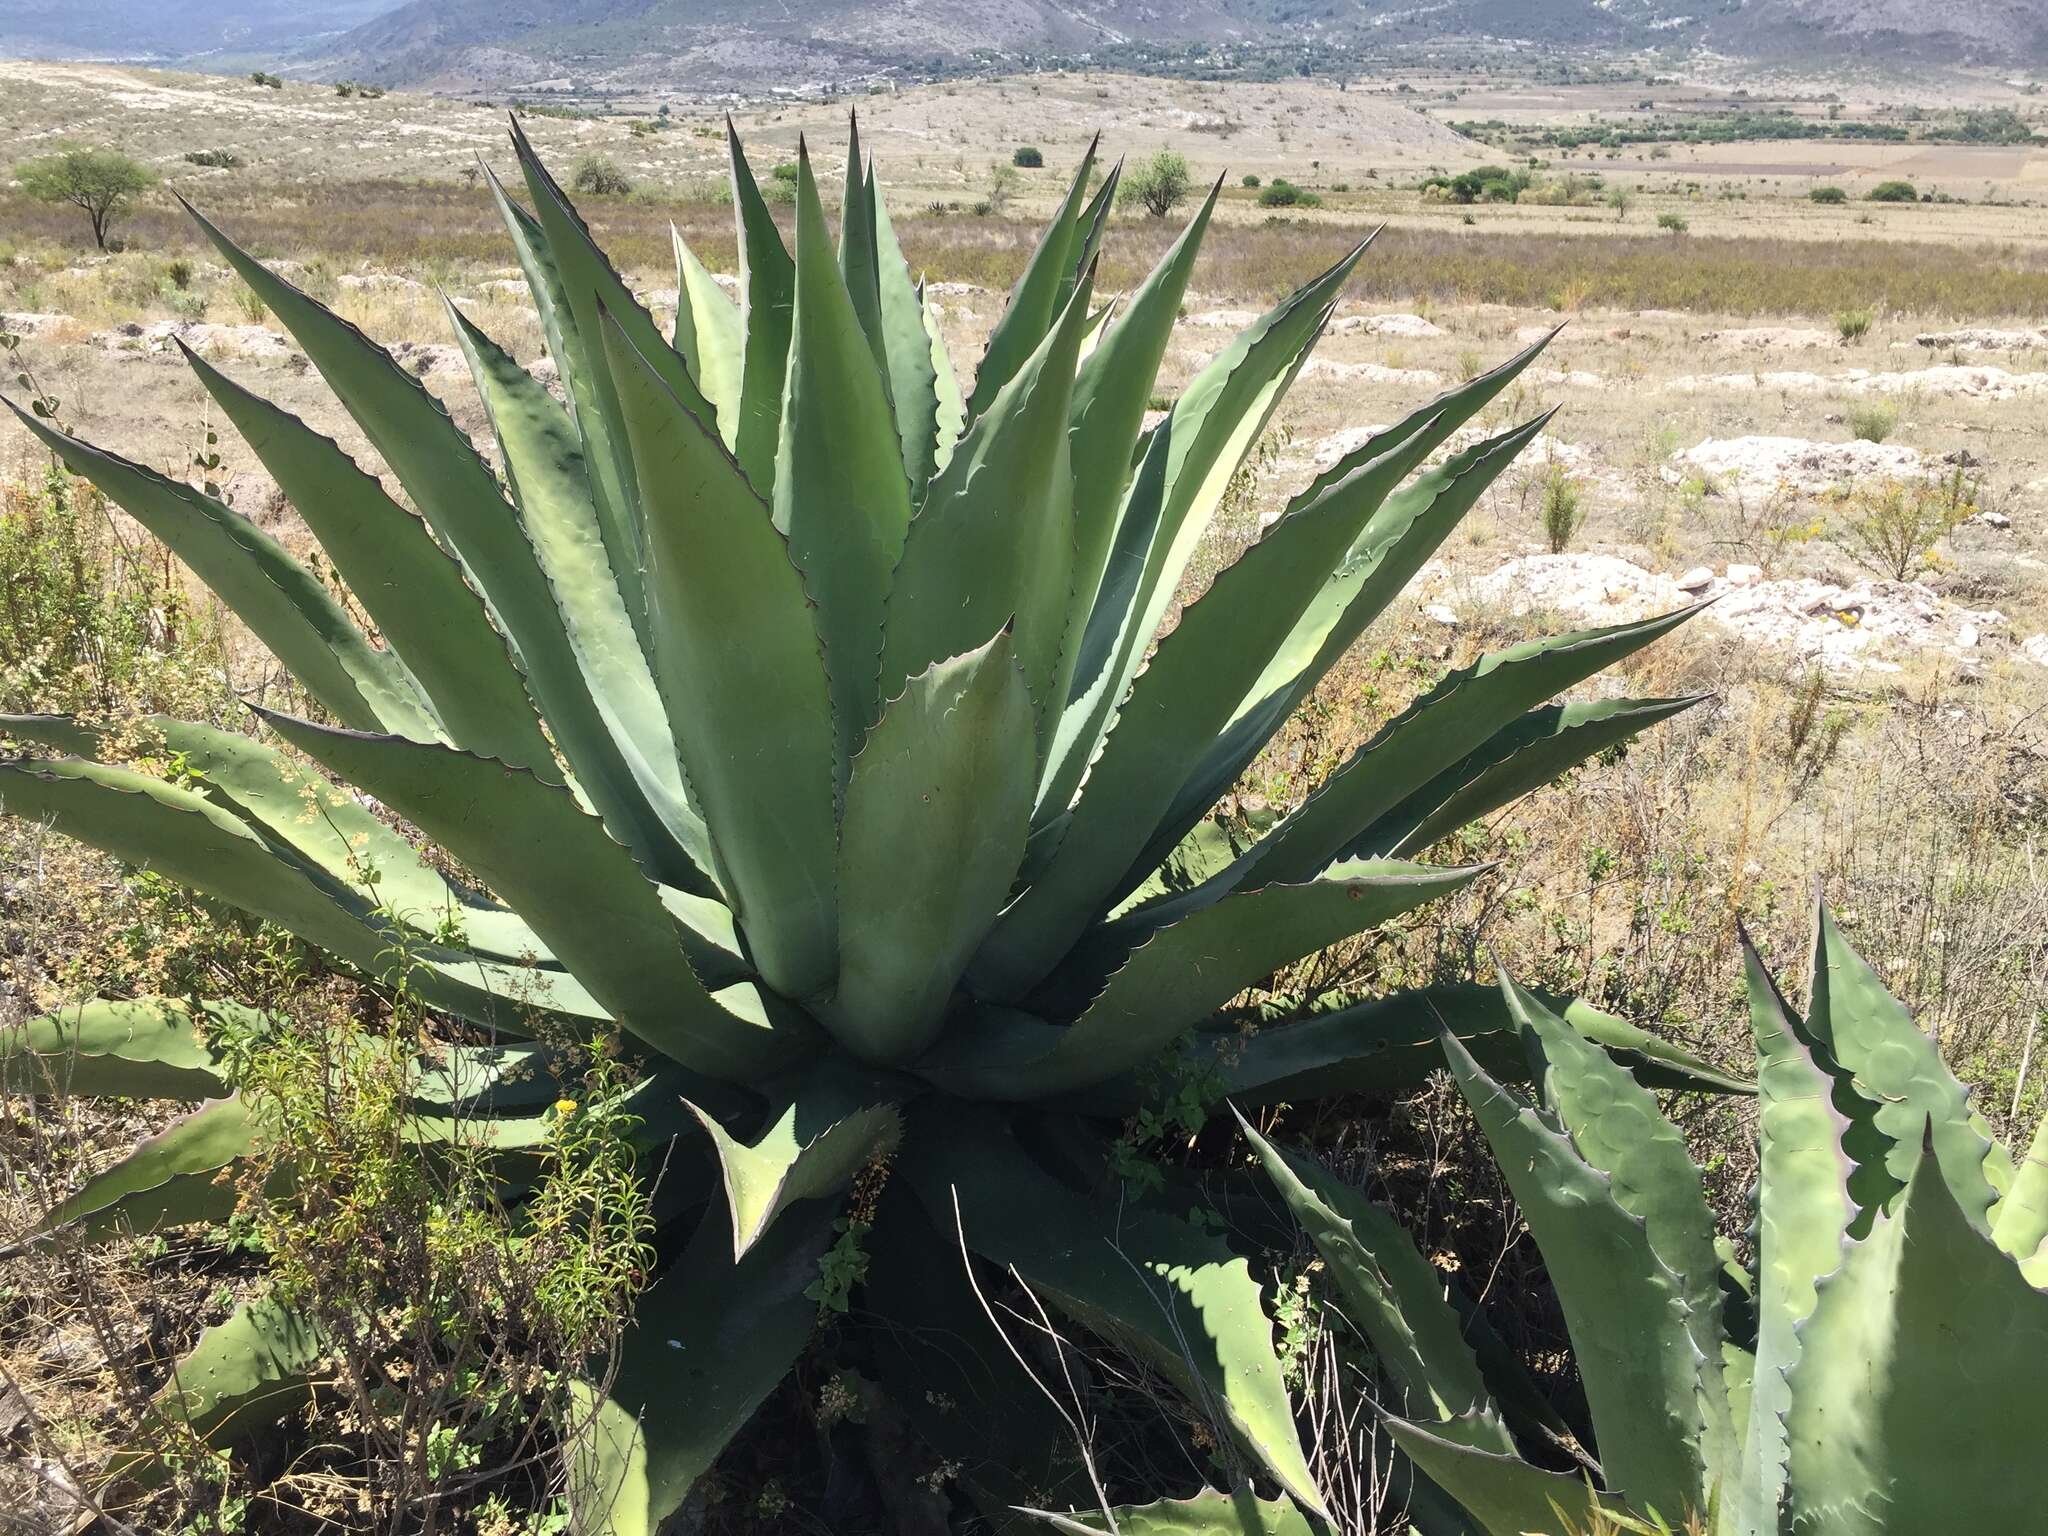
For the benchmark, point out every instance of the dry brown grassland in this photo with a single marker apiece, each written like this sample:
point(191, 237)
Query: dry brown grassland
point(1904, 772)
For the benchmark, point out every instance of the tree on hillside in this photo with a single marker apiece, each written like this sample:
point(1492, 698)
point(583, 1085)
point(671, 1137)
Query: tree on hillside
point(1160, 184)
point(100, 181)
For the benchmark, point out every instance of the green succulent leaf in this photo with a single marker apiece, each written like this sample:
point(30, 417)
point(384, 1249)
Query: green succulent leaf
point(1174, 1294)
point(150, 1048)
point(708, 1341)
point(927, 420)
point(1506, 1495)
point(173, 1178)
point(833, 1122)
point(1042, 293)
point(1804, 1209)
point(993, 542)
point(933, 833)
point(244, 1374)
point(2019, 1222)
point(1915, 1400)
point(1391, 1294)
point(1893, 1065)
point(840, 496)
point(406, 582)
point(767, 304)
point(1617, 1127)
point(740, 671)
point(709, 336)
point(1454, 718)
point(1623, 1306)
point(1176, 977)
point(582, 891)
point(282, 602)
point(1209, 1513)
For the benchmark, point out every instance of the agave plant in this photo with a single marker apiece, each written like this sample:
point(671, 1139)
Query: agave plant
point(798, 715)
point(1873, 1368)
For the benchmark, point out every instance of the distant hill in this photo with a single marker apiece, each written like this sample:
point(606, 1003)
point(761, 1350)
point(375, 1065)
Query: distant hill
point(751, 45)
point(176, 31)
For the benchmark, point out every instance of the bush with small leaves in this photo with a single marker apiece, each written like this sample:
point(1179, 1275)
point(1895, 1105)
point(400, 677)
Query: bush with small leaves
point(599, 176)
point(213, 159)
point(1027, 157)
point(1673, 223)
point(1562, 513)
point(1854, 324)
point(1893, 192)
point(99, 181)
point(1250, 181)
point(258, 77)
point(1158, 185)
point(1828, 196)
point(1873, 423)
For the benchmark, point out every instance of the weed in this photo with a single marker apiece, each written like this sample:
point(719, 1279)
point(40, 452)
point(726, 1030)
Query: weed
point(1673, 223)
point(598, 175)
point(1854, 324)
point(1875, 422)
point(1895, 526)
point(1562, 514)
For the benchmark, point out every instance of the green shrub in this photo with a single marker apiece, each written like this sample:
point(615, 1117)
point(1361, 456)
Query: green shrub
point(1854, 324)
point(1027, 157)
point(1673, 223)
point(214, 159)
point(1893, 192)
point(1562, 513)
point(1896, 526)
point(101, 182)
point(785, 171)
point(258, 77)
point(1285, 194)
point(1873, 422)
point(1830, 196)
point(1250, 181)
point(598, 175)
point(1159, 184)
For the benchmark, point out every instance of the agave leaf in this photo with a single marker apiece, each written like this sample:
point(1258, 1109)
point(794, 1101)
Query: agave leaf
point(767, 303)
point(1176, 977)
point(1915, 1400)
point(1110, 395)
point(833, 1121)
point(1455, 717)
point(1615, 1124)
point(1183, 697)
point(581, 890)
point(1209, 1513)
point(1391, 1294)
point(1899, 1070)
point(993, 542)
point(933, 832)
point(151, 1048)
point(1622, 1305)
point(197, 843)
point(1182, 474)
point(1518, 758)
point(1407, 530)
point(290, 804)
point(461, 502)
point(912, 357)
point(708, 1342)
point(285, 605)
point(251, 1370)
point(406, 582)
point(952, 405)
point(595, 292)
point(709, 337)
point(1035, 301)
point(1169, 1291)
point(840, 496)
point(860, 259)
point(1804, 1208)
point(174, 1178)
point(738, 664)
point(1506, 1495)
point(544, 463)
point(2019, 1222)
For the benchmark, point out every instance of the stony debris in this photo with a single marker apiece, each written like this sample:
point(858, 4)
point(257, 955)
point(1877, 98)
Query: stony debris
point(1373, 373)
point(1982, 339)
point(32, 324)
point(1755, 468)
point(1949, 380)
point(2035, 649)
point(1868, 625)
point(421, 358)
point(253, 342)
point(1771, 338)
point(1408, 327)
point(379, 282)
point(1221, 319)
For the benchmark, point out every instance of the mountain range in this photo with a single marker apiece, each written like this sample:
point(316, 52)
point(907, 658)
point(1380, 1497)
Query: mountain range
point(752, 45)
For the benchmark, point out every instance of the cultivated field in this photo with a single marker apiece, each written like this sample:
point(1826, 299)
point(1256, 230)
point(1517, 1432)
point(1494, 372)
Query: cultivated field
point(1827, 418)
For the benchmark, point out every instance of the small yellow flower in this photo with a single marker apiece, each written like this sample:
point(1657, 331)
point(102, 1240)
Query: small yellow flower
point(565, 1106)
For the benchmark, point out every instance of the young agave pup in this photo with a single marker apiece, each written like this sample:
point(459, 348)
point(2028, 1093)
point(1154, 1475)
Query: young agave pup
point(1874, 1370)
point(801, 714)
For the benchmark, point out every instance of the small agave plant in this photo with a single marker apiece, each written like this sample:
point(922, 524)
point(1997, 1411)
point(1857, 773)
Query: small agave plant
point(798, 715)
point(1874, 1369)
